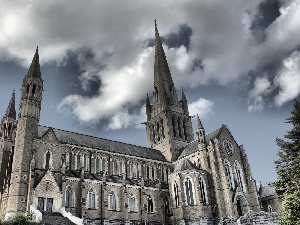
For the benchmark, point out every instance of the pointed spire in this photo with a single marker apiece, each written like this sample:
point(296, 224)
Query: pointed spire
point(162, 75)
point(11, 109)
point(183, 98)
point(147, 100)
point(199, 124)
point(34, 70)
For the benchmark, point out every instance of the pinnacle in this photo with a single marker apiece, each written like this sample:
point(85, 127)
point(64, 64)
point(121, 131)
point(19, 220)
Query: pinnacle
point(199, 124)
point(11, 109)
point(34, 70)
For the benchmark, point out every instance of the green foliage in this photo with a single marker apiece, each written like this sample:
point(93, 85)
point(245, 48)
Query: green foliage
point(291, 207)
point(287, 168)
point(20, 219)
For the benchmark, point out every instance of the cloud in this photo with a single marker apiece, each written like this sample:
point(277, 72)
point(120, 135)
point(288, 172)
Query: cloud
point(202, 107)
point(288, 79)
point(124, 119)
point(113, 51)
point(262, 87)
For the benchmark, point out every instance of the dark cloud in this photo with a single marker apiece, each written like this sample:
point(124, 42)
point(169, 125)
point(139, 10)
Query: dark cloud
point(176, 39)
point(268, 12)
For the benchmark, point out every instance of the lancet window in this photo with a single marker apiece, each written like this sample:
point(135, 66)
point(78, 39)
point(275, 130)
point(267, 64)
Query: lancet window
point(189, 192)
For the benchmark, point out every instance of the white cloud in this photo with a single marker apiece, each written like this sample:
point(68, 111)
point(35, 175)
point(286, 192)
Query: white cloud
point(256, 104)
point(202, 107)
point(221, 39)
point(262, 87)
point(124, 119)
point(288, 79)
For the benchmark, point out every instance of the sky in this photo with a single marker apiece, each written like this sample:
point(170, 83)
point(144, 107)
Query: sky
point(238, 62)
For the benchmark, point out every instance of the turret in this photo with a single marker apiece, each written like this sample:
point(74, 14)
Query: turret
point(200, 131)
point(27, 130)
point(8, 122)
point(7, 141)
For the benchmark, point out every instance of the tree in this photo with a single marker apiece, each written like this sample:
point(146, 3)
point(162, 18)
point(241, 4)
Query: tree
point(288, 170)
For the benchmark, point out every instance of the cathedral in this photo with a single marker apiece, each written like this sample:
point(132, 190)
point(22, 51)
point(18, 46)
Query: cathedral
point(182, 177)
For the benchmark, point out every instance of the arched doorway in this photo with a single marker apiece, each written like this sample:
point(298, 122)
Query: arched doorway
point(241, 205)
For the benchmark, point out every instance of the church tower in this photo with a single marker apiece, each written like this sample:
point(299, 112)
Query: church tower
point(27, 130)
point(169, 126)
point(7, 141)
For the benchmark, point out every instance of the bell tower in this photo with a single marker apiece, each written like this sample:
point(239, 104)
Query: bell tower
point(169, 126)
point(27, 130)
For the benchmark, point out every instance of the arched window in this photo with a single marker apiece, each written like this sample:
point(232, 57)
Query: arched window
point(47, 160)
point(153, 173)
point(97, 165)
point(148, 172)
point(163, 174)
point(239, 176)
point(138, 172)
point(133, 169)
point(121, 167)
point(239, 207)
point(67, 160)
point(162, 129)
point(103, 165)
point(270, 209)
point(91, 200)
point(203, 191)
point(150, 205)
point(174, 127)
point(78, 162)
point(179, 128)
point(8, 130)
point(184, 130)
point(27, 90)
point(166, 206)
point(85, 163)
point(228, 173)
point(69, 197)
point(5, 130)
point(131, 201)
point(115, 167)
point(112, 201)
point(158, 132)
point(176, 196)
point(189, 191)
point(33, 90)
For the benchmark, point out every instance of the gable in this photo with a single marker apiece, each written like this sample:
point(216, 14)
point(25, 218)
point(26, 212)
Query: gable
point(49, 136)
point(47, 186)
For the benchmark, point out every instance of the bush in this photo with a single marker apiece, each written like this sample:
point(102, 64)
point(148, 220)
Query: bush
point(20, 219)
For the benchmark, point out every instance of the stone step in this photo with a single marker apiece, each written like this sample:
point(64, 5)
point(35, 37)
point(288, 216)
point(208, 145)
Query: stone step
point(54, 218)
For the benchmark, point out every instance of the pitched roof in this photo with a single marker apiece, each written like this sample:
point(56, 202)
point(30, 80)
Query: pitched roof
point(67, 137)
point(267, 191)
point(193, 146)
point(185, 165)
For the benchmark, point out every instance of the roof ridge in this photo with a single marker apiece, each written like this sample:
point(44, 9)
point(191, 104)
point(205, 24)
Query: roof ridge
point(214, 131)
point(87, 135)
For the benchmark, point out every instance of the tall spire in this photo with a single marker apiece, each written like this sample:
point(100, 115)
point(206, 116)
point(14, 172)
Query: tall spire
point(162, 76)
point(34, 70)
point(11, 109)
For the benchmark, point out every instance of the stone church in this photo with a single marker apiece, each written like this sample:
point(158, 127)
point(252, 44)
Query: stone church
point(182, 177)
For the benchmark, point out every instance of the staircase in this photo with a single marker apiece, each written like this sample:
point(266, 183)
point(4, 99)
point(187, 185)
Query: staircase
point(55, 218)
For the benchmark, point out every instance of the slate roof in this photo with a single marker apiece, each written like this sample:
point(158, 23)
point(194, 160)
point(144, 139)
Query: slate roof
point(67, 137)
point(193, 146)
point(267, 191)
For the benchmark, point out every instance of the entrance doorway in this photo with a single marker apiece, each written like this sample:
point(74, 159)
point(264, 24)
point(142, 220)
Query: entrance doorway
point(239, 207)
point(42, 202)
